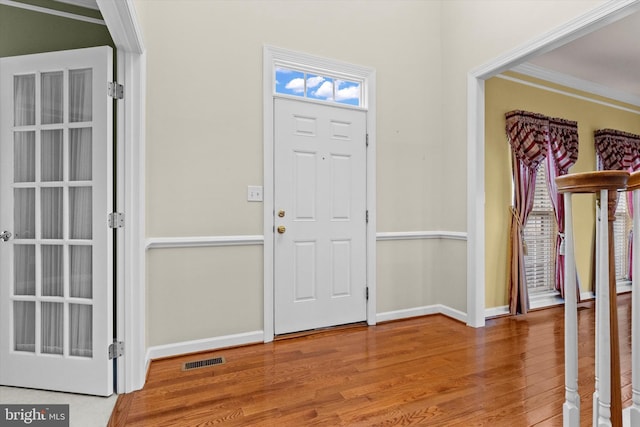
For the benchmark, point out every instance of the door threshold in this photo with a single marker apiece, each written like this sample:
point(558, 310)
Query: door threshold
point(327, 329)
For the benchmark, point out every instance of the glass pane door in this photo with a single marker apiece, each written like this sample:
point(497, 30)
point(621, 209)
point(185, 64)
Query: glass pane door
point(56, 189)
point(52, 213)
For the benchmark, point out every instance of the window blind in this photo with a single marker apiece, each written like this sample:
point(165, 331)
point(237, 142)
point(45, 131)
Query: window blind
point(540, 237)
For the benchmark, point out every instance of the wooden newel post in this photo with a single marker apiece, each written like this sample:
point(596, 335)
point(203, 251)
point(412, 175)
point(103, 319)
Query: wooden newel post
point(608, 410)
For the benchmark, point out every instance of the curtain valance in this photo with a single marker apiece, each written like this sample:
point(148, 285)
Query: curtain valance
point(618, 150)
point(532, 135)
point(528, 136)
point(563, 139)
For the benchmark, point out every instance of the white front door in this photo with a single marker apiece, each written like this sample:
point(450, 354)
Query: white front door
point(320, 215)
point(56, 306)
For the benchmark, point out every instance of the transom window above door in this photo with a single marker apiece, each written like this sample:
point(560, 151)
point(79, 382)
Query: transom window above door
point(317, 86)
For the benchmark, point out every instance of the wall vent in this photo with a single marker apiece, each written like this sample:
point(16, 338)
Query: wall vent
point(205, 363)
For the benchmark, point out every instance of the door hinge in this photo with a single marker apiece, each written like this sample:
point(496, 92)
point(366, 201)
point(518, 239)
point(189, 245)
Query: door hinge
point(367, 140)
point(116, 220)
point(366, 217)
point(367, 293)
point(116, 90)
point(116, 349)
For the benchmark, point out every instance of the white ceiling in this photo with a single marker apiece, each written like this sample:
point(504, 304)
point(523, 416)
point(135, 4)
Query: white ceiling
point(608, 57)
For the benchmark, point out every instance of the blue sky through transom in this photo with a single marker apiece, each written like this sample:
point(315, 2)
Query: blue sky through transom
point(292, 82)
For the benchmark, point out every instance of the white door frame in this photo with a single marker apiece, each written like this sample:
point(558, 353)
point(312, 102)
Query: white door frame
point(271, 57)
point(596, 18)
point(119, 15)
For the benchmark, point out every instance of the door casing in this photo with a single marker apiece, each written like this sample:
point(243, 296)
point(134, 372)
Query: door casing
point(273, 56)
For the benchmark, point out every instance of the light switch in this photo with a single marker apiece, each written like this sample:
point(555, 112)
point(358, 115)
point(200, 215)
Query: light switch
point(254, 193)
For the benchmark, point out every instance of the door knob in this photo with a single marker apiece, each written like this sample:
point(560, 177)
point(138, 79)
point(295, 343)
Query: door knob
point(282, 229)
point(5, 235)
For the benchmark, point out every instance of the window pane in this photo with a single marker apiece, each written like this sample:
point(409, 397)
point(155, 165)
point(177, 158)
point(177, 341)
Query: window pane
point(80, 330)
point(80, 213)
point(80, 149)
point(621, 237)
point(52, 326)
point(24, 95)
point(319, 87)
point(51, 97)
point(51, 216)
point(540, 234)
point(52, 270)
point(24, 326)
point(80, 272)
point(24, 265)
point(289, 82)
point(24, 157)
point(52, 158)
point(24, 213)
point(347, 92)
point(80, 95)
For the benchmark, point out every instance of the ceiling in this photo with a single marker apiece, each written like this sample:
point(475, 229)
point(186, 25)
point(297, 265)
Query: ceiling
point(608, 57)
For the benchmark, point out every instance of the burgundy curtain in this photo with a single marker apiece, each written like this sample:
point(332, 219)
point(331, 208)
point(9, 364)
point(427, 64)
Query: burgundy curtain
point(619, 150)
point(563, 144)
point(528, 137)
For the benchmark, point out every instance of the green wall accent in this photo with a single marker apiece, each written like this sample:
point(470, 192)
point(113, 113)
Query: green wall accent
point(24, 31)
point(64, 7)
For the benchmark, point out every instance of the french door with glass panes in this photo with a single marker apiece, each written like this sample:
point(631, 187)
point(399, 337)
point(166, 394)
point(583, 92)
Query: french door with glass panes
point(55, 248)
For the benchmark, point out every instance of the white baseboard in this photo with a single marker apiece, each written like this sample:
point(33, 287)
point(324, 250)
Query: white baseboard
point(496, 311)
point(587, 295)
point(422, 311)
point(176, 349)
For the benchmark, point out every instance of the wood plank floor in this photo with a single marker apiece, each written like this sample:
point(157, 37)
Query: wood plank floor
point(424, 371)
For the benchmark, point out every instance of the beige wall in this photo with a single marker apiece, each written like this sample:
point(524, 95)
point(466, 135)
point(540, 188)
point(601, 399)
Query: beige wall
point(503, 96)
point(204, 134)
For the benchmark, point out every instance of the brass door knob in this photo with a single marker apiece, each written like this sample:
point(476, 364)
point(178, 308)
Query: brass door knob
point(282, 229)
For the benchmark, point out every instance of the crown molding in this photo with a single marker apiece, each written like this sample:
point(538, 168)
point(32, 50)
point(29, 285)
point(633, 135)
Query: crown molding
point(566, 80)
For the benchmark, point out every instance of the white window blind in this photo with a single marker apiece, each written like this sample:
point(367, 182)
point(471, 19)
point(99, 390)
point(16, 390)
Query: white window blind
point(540, 234)
point(621, 228)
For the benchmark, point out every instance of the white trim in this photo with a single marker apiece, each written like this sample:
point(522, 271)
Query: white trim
point(588, 295)
point(596, 18)
point(475, 203)
point(545, 300)
point(422, 311)
point(568, 94)
point(272, 56)
point(203, 241)
point(248, 240)
point(207, 344)
point(53, 12)
point(419, 235)
point(502, 310)
point(576, 83)
point(122, 23)
point(625, 286)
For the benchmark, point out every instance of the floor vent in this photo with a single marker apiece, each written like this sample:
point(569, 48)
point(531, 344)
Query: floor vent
point(187, 366)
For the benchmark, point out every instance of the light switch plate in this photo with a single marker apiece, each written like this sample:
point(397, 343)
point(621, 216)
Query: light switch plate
point(254, 193)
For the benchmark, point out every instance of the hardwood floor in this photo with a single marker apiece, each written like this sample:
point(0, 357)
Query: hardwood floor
point(424, 371)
